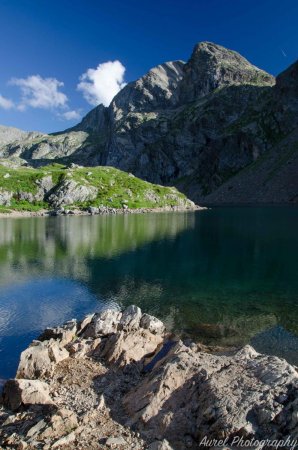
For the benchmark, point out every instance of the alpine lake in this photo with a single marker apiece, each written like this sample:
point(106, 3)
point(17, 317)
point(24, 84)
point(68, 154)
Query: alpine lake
point(225, 276)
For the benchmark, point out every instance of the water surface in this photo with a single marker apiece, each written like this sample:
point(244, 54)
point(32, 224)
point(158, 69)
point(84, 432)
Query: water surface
point(226, 276)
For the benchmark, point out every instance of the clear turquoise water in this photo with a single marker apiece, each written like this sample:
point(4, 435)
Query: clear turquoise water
point(225, 276)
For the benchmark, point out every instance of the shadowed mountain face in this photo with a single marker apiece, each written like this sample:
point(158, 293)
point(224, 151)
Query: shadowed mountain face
point(214, 126)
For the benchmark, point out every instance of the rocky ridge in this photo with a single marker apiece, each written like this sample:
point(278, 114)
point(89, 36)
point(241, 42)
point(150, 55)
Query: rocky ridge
point(11, 134)
point(198, 124)
point(118, 379)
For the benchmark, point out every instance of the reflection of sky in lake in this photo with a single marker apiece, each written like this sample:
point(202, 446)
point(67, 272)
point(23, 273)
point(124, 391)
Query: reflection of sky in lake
point(28, 308)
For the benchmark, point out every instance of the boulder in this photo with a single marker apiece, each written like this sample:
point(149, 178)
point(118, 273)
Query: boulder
point(40, 358)
point(189, 393)
point(25, 392)
point(69, 192)
point(64, 334)
point(103, 323)
point(130, 319)
point(152, 324)
point(83, 347)
point(125, 347)
point(45, 184)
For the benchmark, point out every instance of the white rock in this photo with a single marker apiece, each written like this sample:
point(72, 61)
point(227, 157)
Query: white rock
point(103, 323)
point(131, 317)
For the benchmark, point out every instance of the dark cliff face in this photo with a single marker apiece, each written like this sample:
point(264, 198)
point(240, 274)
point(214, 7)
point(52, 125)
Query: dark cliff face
point(196, 124)
point(287, 82)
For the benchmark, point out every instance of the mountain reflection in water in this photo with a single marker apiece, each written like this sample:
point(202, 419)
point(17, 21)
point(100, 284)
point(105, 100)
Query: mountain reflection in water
point(224, 275)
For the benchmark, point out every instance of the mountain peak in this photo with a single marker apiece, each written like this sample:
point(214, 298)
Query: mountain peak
point(212, 66)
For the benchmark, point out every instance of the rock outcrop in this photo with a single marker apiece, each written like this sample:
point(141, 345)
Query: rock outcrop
point(69, 192)
point(127, 383)
point(197, 124)
point(5, 197)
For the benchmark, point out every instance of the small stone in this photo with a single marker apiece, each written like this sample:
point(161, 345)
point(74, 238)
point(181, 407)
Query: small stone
point(65, 440)
point(101, 403)
point(36, 428)
point(114, 442)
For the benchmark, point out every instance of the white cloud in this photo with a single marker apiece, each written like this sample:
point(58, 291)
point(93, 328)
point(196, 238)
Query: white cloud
point(71, 115)
point(6, 103)
point(39, 92)
point(100, 85)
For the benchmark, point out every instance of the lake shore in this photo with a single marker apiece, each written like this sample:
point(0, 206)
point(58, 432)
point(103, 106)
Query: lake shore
point(119, 379)
point(101, 211)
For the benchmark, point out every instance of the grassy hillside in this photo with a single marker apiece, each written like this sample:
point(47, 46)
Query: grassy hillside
point(109, 186)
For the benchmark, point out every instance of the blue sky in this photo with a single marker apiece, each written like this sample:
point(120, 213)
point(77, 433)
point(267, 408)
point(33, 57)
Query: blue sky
point(46, 43)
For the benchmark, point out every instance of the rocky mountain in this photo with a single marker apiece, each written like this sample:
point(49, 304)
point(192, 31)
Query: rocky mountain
point(11, 134)
point(218, 127)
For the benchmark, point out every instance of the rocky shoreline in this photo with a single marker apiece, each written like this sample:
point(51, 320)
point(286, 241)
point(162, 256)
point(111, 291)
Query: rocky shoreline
point(118, 379)
point(101, 210)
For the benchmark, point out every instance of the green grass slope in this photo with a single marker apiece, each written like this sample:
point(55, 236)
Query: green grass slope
point(115, 188)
